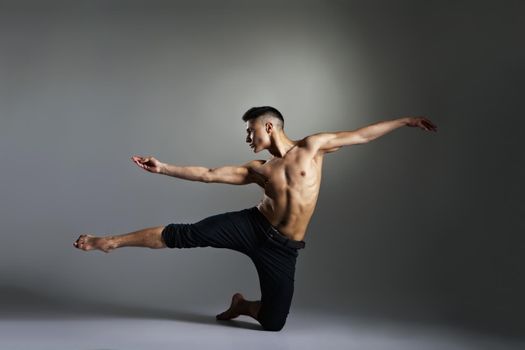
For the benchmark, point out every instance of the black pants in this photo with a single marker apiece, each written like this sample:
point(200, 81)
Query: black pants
point(249, 232)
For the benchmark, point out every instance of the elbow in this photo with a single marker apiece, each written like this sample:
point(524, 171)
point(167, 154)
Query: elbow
point(358, 139)
point(207, 176)
point(361, 138)
point(365, 140)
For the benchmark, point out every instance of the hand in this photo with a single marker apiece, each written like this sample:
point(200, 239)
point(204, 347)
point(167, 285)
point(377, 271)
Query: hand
point(422, 123)
point(148, 163)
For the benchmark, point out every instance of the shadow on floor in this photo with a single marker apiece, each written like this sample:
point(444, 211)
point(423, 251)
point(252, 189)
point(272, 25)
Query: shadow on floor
point(153, 313)
point(19, 303)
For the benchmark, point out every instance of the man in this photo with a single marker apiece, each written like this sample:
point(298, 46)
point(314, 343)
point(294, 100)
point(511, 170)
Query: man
point(271, 232)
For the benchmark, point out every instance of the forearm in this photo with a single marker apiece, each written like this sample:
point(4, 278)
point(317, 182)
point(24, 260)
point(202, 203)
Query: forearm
point(192, 173)
point(379, 129)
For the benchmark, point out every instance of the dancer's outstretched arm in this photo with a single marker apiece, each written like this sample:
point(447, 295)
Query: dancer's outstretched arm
point(231, 174)
point(332, 141)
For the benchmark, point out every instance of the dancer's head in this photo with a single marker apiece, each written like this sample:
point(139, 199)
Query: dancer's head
point(261, 124)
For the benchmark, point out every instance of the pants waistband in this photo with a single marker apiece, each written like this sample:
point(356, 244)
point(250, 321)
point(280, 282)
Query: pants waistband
point(274, 234)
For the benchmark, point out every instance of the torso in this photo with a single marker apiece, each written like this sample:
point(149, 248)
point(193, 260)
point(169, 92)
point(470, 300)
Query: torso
point(291, 187)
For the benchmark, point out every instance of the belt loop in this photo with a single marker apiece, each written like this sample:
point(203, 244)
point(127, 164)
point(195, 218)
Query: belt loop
point(269, 231)
point(274, 234)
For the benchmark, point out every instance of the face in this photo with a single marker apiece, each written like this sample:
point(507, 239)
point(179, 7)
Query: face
point(258, 135)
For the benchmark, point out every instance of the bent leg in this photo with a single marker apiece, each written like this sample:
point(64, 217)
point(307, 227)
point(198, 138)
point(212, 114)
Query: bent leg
point(271, 312)
point(276, 277)
point(148, 237)
point(275, 308)
point(276, 269)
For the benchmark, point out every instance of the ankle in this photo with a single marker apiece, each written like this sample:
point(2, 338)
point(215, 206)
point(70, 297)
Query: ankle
point(248, 308)
point(112, 242)
point(254, 309)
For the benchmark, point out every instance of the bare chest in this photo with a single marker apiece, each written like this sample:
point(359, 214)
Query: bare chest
point(290, 172)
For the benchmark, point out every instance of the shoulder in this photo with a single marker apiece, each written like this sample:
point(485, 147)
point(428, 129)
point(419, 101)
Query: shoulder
point(321, 143)
point(254, 163)
point(315, 141)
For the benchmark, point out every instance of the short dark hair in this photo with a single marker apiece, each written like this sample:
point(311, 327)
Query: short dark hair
point(256, 112)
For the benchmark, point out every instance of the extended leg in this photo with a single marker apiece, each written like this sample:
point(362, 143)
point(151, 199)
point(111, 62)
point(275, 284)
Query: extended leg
point(148, 237)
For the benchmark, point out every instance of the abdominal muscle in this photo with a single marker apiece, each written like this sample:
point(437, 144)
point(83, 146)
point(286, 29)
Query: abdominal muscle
point(289, 207)
point(293, 226)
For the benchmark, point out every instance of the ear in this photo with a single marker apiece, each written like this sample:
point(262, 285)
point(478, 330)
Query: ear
point(269, 127)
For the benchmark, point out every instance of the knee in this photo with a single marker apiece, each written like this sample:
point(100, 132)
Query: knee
point(178, 236)
point(274, 325)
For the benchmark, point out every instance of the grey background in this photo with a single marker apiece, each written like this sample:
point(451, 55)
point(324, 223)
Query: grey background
point(413, 226)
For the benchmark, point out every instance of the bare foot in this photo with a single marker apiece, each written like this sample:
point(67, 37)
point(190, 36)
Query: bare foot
point(90, 242)
point(233, 311)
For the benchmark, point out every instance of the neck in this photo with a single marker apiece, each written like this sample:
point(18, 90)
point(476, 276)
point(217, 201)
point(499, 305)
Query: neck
point(281, 144)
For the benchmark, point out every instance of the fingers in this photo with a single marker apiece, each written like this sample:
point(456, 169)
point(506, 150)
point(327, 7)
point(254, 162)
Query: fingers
point(426, 124)
point(139, 162)
point(429, 125)
point(143, 166)
point(136, 160)
point(145, 163)
point(140, 159)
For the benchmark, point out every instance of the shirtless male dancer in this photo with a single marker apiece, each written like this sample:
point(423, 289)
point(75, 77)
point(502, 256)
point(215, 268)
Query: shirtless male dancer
point(271, 232)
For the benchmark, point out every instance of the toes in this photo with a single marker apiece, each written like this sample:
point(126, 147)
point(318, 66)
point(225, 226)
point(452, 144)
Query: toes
point(80, 238)
point(82, 242)
point(223, 316)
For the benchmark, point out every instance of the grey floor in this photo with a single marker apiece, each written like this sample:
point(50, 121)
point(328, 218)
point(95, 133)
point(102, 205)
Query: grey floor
point(36, 327)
